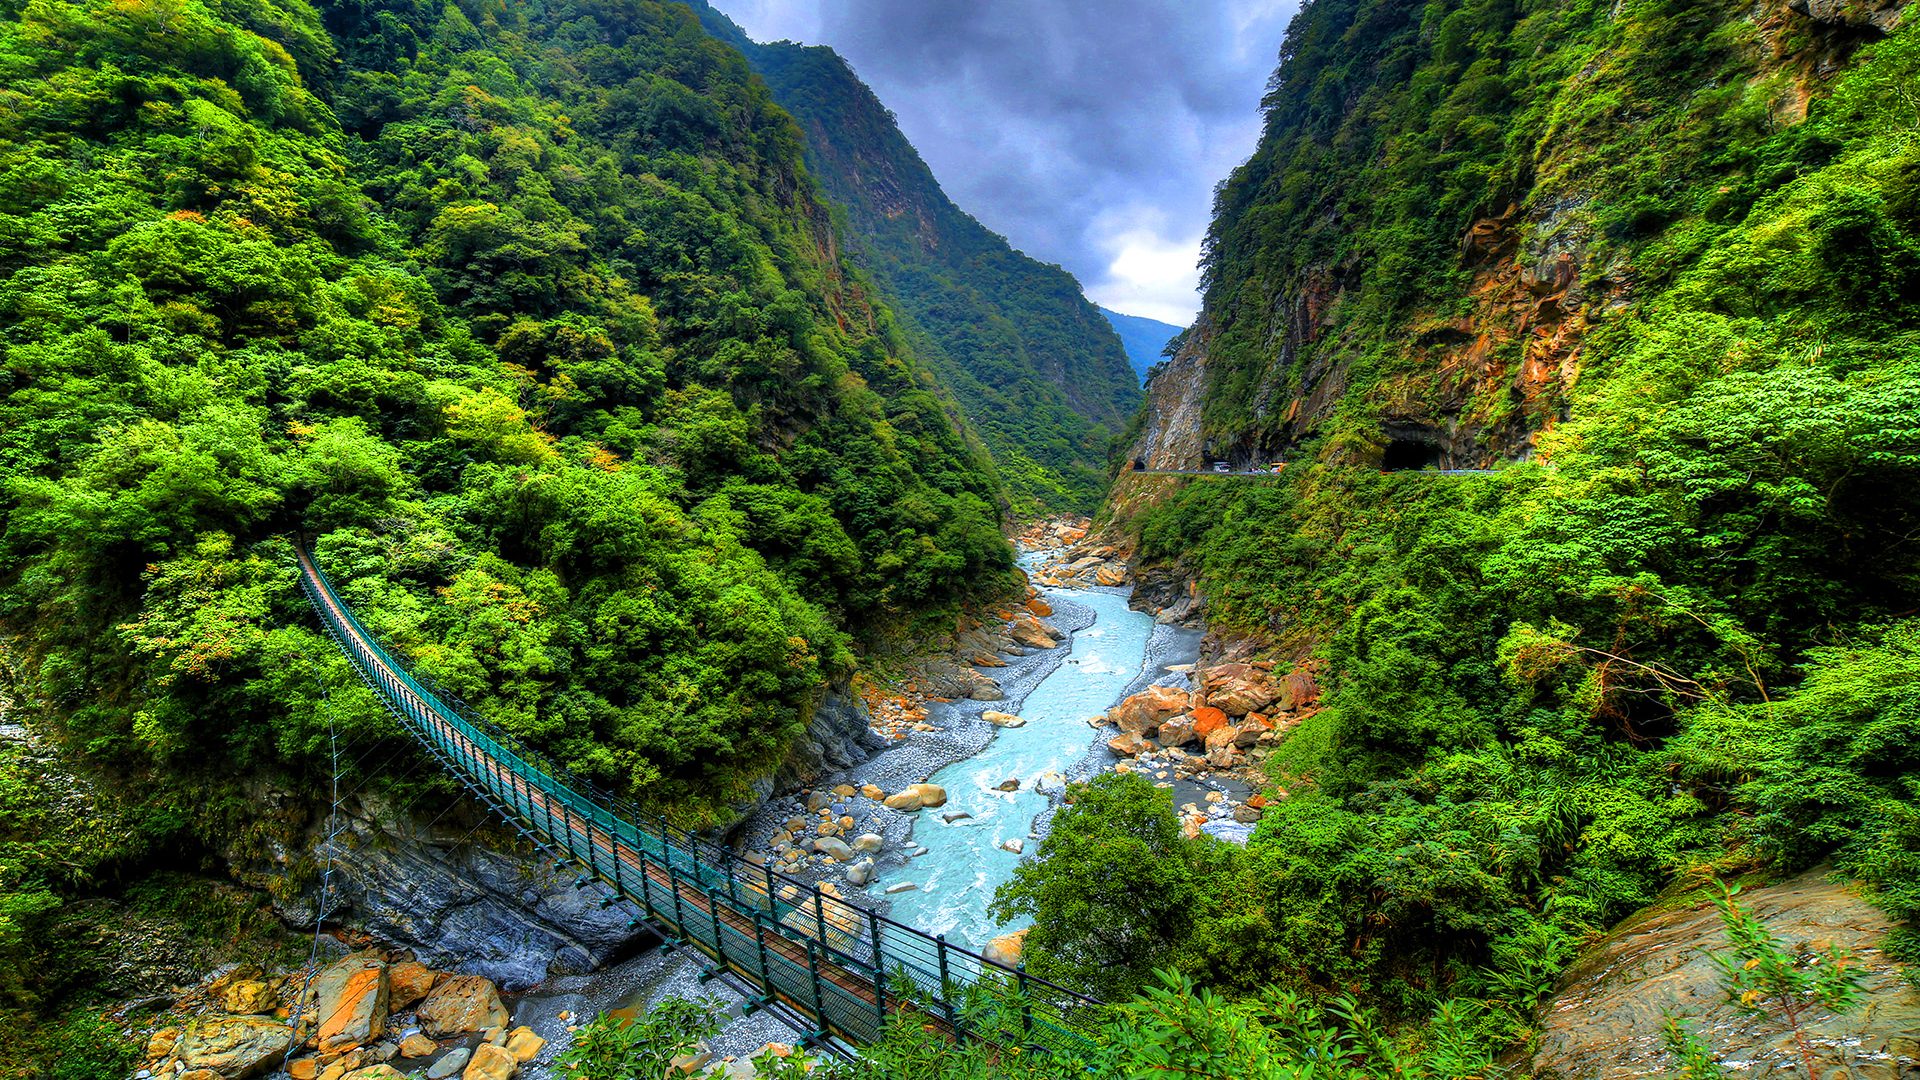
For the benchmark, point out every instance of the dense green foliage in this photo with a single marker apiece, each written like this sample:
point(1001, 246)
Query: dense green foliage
point(1679, 639)
point(529, 311)
point(1034, 365)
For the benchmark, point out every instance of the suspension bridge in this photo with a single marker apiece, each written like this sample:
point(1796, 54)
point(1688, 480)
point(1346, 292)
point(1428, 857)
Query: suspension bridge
point(835, 971)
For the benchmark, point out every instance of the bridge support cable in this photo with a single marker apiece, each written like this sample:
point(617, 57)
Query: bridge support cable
point(842, 970)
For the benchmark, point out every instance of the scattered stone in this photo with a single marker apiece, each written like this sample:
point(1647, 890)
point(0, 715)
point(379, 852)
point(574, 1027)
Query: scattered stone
point(1257, 801)
point(200, 1074)
point(495, 1036)
point(1176, 732)
point(873, 792)
point(1014, 844)
point(1216, 796)
point(455, 1060)
point(1008, 785)
point(868, 843)
point(381, 1071)
point(306, 1068)
point(160, 1043)
point(1238, 689)
point(860, 873)
point(955, 815)
point(525, 1044)
point(490, 1062)
point(417, 1045)
point(988, 660)
point(1246, 815)
point(833, 848)
point(900, 887)
point(1000, 719)
point(1129, 744)
point(818, 801)
point(1207, 720)
point(1110, 575)
point(459, 1004)
point(845, 791)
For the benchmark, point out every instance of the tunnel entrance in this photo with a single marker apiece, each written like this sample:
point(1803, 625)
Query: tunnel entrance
point(1404, 455)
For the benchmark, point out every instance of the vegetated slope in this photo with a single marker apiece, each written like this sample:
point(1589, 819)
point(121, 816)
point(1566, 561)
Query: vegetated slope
point(1145, 339)
point(1036, 368)
point(1663, 259)
point(529, 311)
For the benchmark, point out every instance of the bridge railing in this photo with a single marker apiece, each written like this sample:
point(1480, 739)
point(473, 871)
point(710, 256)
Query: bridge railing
point(846, 968)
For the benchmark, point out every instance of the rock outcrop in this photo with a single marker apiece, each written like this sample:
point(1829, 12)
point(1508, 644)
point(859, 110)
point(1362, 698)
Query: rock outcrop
point(1605, 1021)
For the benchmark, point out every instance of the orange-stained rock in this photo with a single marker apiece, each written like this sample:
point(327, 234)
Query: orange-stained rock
point(1208, 720)
point(524, 1043)
point(459, 1004)
point(233, 1046)
point(1257, 801)
point(350, 1002)
point(1110, 575)
point(490, 1062)
point(304, 1069)
point(1129, 744)
point(1007, 948)
point(407, 983)
point(1143, 713)
point(1039, 606)
point(1032, 633)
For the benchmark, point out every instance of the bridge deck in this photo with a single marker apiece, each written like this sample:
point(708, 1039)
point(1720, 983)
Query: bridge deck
point(842, 970)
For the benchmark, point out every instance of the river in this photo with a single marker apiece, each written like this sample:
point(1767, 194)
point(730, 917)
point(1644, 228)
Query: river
point(965, 861)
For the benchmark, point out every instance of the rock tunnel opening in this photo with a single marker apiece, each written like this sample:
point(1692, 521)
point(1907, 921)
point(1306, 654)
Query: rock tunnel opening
point(1405, 455)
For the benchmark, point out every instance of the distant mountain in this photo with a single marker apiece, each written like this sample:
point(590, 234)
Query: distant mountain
point(1039, 373)
point(1142, 337)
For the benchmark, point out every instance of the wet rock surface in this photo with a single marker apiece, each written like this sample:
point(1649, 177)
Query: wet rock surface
point(1604, 1023)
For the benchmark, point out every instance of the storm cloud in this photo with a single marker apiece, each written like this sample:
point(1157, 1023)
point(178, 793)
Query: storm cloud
point(1089, 134)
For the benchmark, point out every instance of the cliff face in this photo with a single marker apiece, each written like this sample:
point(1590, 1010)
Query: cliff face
point(1035, 367)
point(1447, 202)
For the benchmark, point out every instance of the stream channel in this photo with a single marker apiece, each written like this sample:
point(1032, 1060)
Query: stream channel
point(955, 867)
point(956, 877)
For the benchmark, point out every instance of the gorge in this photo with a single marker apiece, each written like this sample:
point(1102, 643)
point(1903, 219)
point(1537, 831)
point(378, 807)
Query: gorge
point(642, 392)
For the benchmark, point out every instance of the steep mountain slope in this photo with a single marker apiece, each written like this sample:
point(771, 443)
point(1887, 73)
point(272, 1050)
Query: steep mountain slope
point(1144, 339)
point(1034, 365)
point(1660, 263)
point(530, 312)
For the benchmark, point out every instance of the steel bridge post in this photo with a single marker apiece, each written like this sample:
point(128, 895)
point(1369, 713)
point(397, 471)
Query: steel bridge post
point(879, 970)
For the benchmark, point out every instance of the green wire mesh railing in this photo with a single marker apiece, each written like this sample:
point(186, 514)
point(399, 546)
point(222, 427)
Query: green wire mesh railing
point(843, 969)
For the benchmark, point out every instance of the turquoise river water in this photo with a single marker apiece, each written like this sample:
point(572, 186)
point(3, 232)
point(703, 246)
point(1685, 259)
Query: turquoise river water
point(957, 877)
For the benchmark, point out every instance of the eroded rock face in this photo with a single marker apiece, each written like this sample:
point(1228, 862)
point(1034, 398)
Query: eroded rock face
point(1605, 1021)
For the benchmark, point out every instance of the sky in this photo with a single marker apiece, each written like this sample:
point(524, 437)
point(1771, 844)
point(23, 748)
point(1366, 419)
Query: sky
point(1089, 133)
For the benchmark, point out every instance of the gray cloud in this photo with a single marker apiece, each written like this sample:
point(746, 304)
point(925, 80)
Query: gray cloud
point(1090, 134)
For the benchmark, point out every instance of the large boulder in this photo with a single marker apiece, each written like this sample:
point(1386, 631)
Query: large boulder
point(1033, 633)
point(350, 1003)
point(1238, 689)
point(1177, 731)
point(460, 1004)
point(1606, 1019)
point(918, 797)
point(407, 983)
point(1143, 713)
point(490, 1063)
point(834, 848)
point(1007, 948)
point(235, 1047)
point(1129, 744)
